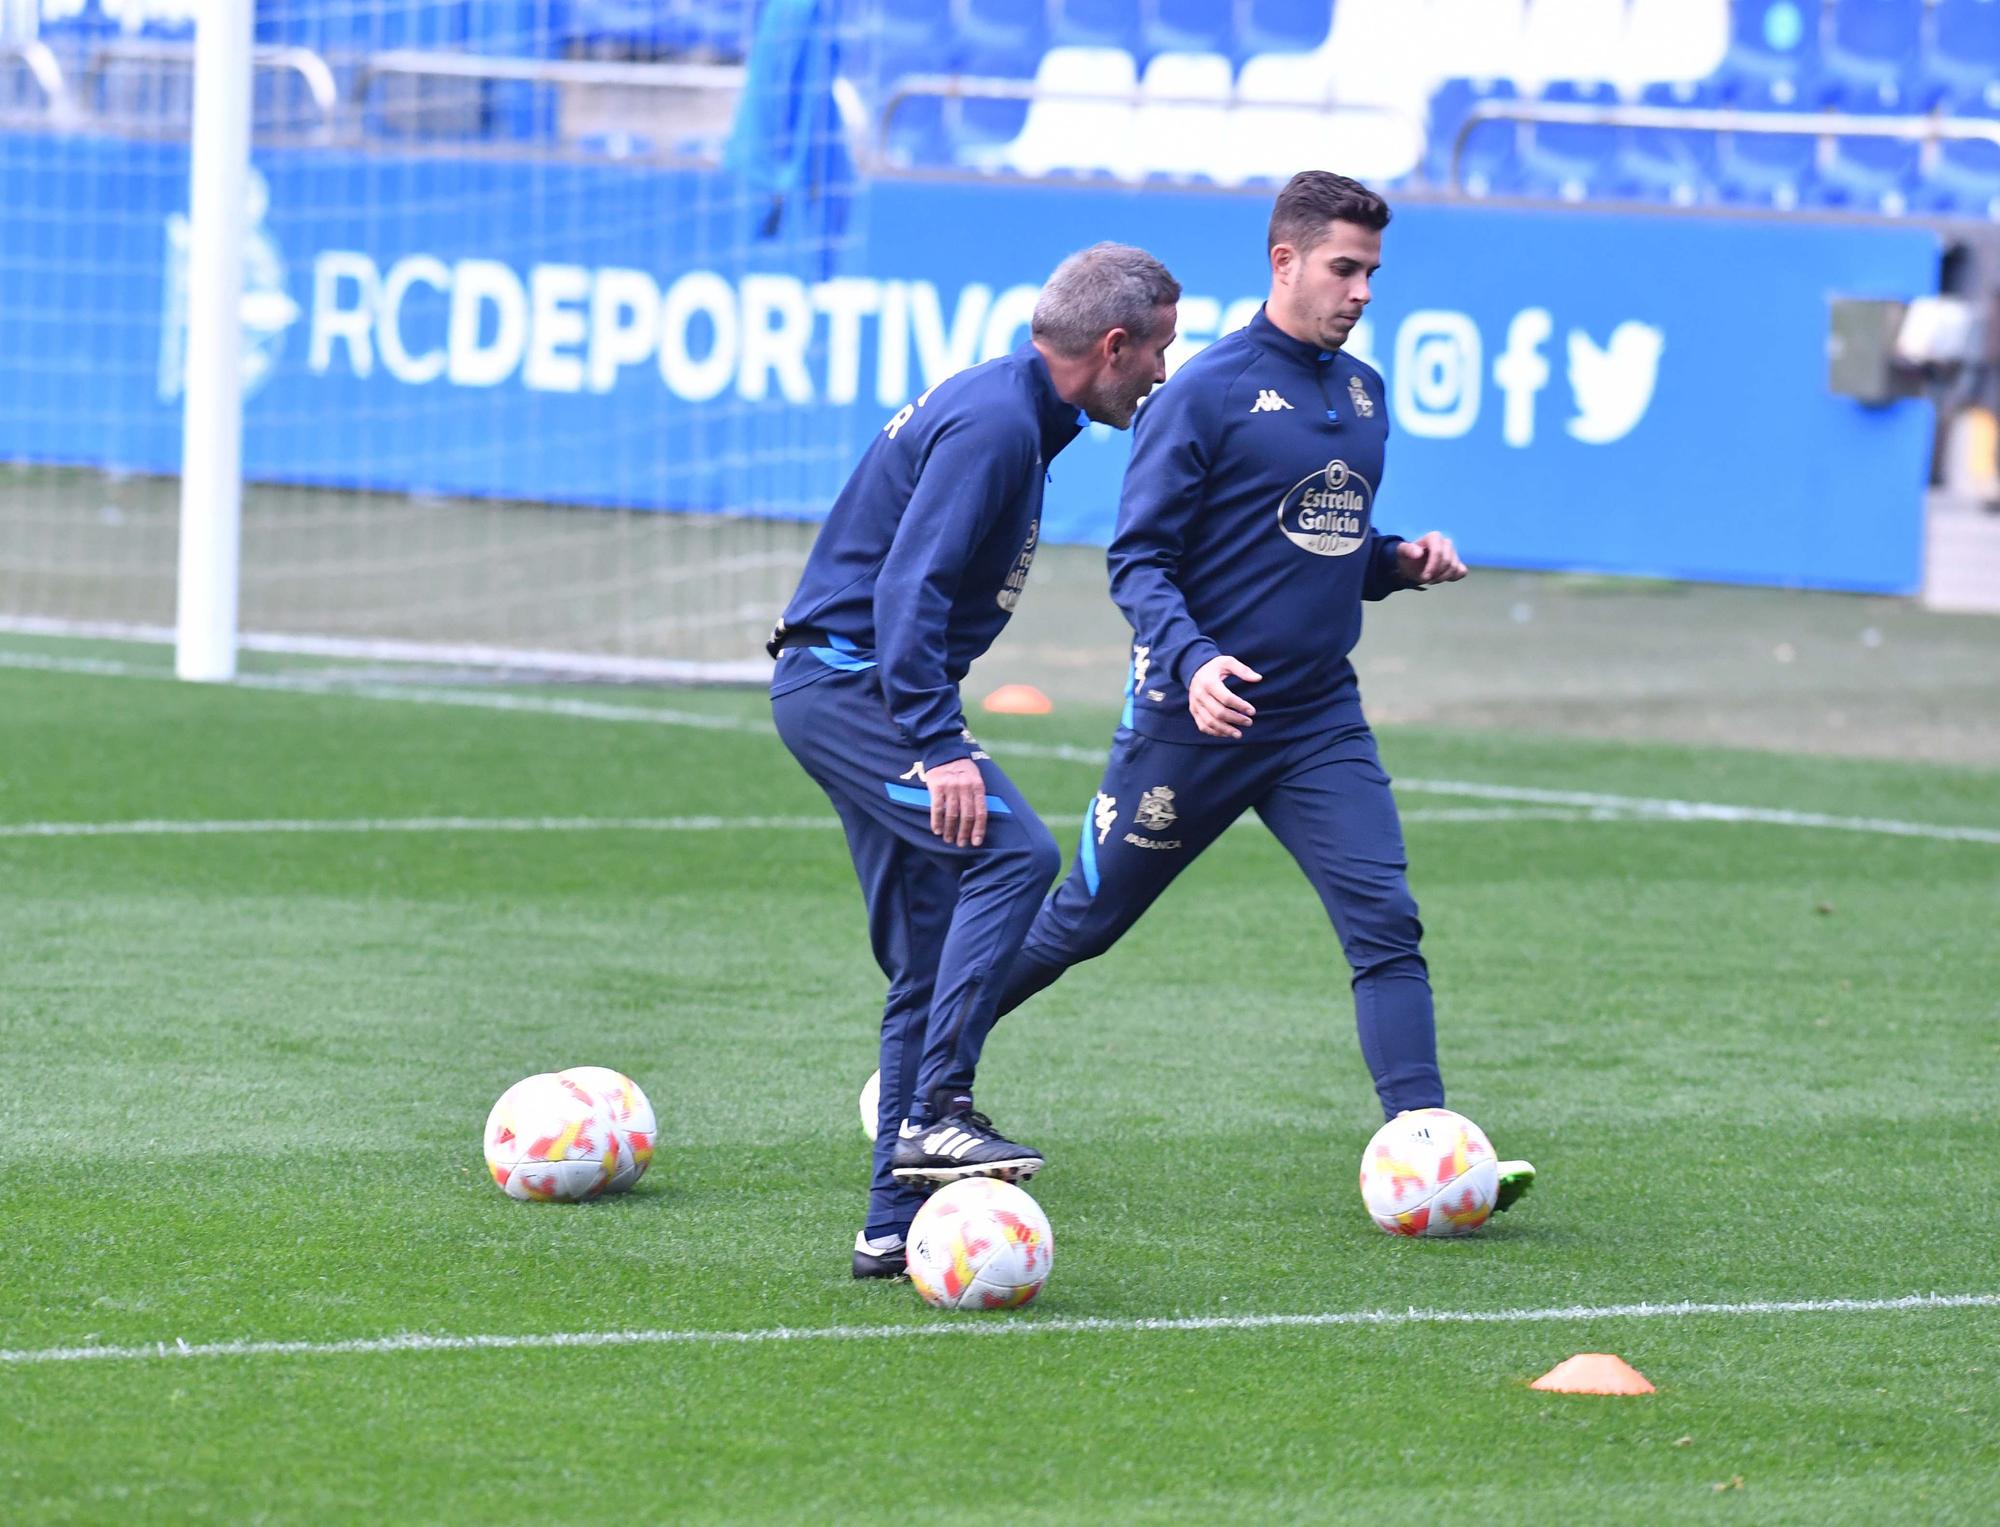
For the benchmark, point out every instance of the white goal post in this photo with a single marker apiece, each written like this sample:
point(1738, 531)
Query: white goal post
point(212, 432)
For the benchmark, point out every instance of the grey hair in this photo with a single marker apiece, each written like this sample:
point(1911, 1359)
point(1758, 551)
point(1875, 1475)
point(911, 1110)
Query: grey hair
point(1104, 287)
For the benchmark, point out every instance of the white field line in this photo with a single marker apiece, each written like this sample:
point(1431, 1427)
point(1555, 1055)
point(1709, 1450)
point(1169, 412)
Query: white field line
point(989, 1326)
point(1639, 807)
point(194, 828)
point(1701, 811)
point(172, 828)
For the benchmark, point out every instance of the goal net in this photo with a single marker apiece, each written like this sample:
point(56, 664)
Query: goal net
point(536, 319)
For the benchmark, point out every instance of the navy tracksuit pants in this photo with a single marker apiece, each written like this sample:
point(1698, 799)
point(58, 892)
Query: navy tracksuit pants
point(944, 921)
point(1327, 799)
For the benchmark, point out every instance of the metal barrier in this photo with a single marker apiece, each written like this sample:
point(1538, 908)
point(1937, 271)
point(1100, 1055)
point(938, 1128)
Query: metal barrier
point(40, 62)
point(964, 87)
point(604, 74)
point(410, 62)
point(1808, 124)
point(310, 69)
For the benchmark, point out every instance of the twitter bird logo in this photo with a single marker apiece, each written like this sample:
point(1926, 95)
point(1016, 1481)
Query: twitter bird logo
point(1613, 386)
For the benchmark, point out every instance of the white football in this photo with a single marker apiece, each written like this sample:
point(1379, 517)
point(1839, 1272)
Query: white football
point(980, 1244)
point(569, 1135)
point(871, 1103)
point(1429, 1172)
point(627, 1113)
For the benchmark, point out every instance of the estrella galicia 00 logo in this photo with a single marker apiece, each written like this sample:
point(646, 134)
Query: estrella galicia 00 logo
point(1327, 513)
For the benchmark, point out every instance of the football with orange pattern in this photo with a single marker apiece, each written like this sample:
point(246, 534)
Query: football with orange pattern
point(569, 1135)
point(980, 1244)
point(625, 1113)
point(1429, 1172)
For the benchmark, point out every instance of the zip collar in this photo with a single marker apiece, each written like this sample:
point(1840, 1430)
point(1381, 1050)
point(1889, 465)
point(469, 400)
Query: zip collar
point(1276, 340)
point(1061, 422)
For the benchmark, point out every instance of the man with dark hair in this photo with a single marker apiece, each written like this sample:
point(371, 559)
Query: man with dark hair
point(1244, 549)
point(918, 567)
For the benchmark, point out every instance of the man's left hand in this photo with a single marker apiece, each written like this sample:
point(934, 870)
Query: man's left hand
point(1429, 559)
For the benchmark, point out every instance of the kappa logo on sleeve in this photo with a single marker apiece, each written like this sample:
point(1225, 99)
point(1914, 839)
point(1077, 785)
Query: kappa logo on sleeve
point(1268, 402)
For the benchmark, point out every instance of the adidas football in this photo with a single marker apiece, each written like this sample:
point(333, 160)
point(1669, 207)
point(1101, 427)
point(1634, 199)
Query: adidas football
point(980, 1244)
point(1429, 1172)
point(563, 1136)
point(871, 1103)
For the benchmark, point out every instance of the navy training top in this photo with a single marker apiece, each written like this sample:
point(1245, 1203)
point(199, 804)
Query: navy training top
point(924, 554)
point(1246, 526)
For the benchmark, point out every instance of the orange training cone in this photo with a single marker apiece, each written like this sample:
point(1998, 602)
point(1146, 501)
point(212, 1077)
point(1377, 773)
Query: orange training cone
point(1018, 700)
point(1594, 1373)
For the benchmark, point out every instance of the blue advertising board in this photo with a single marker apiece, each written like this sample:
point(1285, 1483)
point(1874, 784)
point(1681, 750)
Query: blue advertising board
point(1568, 389)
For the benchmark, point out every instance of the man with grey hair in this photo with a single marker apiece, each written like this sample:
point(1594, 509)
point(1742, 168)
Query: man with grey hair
point(919, 565)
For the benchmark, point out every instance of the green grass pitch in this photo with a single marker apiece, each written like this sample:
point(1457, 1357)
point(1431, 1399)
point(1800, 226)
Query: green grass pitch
point(1754, 1060)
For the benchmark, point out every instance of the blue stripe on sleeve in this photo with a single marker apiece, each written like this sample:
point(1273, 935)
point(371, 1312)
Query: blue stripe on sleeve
point(841, 653)
point(906, 795)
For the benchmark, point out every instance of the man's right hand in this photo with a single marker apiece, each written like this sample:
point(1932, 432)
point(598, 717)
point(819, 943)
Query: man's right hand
point(1217, 709)
point(958, 802)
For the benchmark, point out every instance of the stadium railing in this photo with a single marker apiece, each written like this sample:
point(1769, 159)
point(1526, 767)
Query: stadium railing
point(170, 57)
point(343, 103)
point(1821, 125)
point(960, 87)
point(39, 62)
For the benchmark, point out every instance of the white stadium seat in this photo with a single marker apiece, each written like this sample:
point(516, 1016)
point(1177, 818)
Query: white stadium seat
point(1476, 39)
point(1570, 40)
point(1673, 41)
point(1173, 136)
point(1078, 134)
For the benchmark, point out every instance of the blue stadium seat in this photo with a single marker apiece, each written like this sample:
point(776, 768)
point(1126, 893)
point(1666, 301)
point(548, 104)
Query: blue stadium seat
point(1003, 24)
point(1765, 170)
point(83, 24)
point(1569, 160)
point(632, 28)
point(980, 124)
point(1960, 65)
point(1664, 164)
point(1097, 24)
point(1773, 52)
point(1865, 173)
point(910, 24)
point(1964, 178)
point(1675, 165)
point(365, 26)
point(917, 137)
point(1187, 26)
point(1491, 145)
point(917, 132)
point(168, 24)
point(1871, 49)
point(1282, 26)
point(1683, 94)
point(509, 28)
point(894, 58)
point(723, 27)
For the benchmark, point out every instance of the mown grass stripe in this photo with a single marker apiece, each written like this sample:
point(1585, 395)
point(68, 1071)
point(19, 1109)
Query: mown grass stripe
point(597, 710)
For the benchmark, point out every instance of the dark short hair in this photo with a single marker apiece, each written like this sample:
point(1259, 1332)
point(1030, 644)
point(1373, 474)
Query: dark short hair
point(1312, 199)
point(1104, 287)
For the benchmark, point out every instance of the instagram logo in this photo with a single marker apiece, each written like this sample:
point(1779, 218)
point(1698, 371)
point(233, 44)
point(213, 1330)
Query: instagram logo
point(1438, 365)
